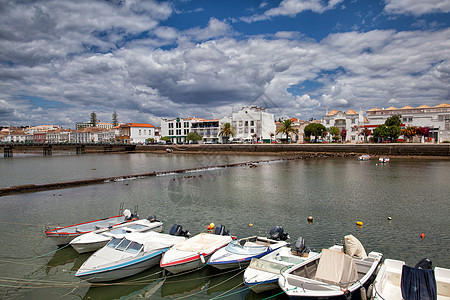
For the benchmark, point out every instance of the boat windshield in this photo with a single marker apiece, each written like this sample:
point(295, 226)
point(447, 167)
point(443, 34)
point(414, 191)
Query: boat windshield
point(267, 266)
point(137, 226)
point(113, 243)
point(248, 248)
point(118, 231)
point(123, 244)
point(134, 248)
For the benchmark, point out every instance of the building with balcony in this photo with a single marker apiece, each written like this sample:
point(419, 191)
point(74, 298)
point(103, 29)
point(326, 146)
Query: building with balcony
point(253, 123)
point(353, 122)
point(436, 118)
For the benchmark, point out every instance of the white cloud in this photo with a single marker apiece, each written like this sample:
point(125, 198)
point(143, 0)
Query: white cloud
point(293, 7)
point(417, 8)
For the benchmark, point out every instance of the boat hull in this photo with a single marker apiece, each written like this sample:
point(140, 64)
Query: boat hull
point(186, 265)
point(123, 269)
point(89, 247)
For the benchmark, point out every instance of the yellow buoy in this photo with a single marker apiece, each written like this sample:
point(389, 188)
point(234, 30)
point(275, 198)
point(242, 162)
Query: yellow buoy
point(359, 223)
point(389, 218)
point(251, 225)
point(212, 225)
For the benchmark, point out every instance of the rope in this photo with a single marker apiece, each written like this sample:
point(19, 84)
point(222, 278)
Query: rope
point(39, 256)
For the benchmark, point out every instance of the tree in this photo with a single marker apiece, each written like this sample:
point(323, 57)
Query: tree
point(334, 131)
point(394, 120)
point(227, 130)
point(287, 128)
point(409, 132)
point(93, 119)
point(193, 136)
point(343, 134)
point(315, 129)
point(115, 122)
point(365, 132)
point(380, 132)
point(390, 129)
point(165, 139)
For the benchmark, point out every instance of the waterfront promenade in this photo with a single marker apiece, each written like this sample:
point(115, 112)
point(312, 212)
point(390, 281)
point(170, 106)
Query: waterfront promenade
point(403, 149)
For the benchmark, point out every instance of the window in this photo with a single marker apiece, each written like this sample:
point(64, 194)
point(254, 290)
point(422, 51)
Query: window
point(240, 123)
point(178, 125)
point(246, 123)
point(353, 121)
point(139, 132)
point(145, 131)
point(353, 129)
point(328, 122)
point(186, 124)
point(170, 125)
point(252, 130)
point(170, 132)
point(252, 123)
point(186, 131)
point(178, 131)
point(410, 119)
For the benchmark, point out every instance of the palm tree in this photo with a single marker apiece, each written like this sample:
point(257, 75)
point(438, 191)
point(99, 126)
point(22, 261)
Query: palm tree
point(227, 130)
point(287, 128)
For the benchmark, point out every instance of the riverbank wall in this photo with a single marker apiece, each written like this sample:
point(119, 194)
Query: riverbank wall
point(438, 150)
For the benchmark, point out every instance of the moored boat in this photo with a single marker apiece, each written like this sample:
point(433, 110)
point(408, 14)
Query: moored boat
point(127, 256)
point(394, 278)
point(195, 252)
point(364, 157)
point(384, 159)
point(262, 274)
point(96, 239)
point(331, 274)
point(63, 235)
point(239, 253)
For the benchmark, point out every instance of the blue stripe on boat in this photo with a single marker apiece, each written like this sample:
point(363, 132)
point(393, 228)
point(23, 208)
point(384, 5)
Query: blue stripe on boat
point(127, 264)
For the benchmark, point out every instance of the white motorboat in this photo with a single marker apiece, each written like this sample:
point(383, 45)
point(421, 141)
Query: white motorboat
point(331, 273)
point(63, 235)
point(96, 239)
point(239, 253)
point(194, 252)
point(384, 160)
point(388, 283)
point(364, 157)
point(127, 256)
point(262, 274)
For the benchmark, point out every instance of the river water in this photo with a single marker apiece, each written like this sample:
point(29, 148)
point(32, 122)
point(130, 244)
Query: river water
point(337, 192)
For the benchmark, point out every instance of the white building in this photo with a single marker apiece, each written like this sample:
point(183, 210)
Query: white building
point(177, 129)
point(436, 118)
point(253, 123)
point(86, 135)
point(350, 120)
point(210, 129)
point(141, 132)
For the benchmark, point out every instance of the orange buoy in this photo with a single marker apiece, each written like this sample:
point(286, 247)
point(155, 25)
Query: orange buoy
point(422, 235)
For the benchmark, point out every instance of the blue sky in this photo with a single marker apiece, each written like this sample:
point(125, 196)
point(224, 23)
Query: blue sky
point(61, 60)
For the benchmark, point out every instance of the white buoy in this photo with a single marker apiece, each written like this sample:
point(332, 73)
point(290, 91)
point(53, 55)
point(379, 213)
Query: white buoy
point(363, 293)
point(202, 259)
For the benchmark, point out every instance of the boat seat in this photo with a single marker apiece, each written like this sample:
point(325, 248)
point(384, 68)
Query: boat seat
point(442, 281)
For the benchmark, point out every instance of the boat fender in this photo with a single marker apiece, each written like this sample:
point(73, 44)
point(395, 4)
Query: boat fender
point(202, 258)
point(370, 291)
point(363, 293)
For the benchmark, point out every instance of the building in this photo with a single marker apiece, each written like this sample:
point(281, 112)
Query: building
point(210, 129)
point(253, 123)
point(353, 122)
point(85, 135)
point(141, 132)
point(177, 129)
point(297, 124)
point(436, 118)
point(106, 126)
point(81, 125)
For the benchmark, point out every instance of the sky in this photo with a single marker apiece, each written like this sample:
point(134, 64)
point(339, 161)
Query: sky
point(147, 60)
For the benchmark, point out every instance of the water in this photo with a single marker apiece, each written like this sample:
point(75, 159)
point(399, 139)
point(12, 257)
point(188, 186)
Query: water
point(336, 192)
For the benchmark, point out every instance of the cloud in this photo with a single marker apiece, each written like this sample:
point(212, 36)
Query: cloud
point(293, 7)
point(215, 29)
point(417, 8)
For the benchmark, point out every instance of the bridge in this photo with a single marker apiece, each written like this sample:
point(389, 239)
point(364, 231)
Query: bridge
point(48, 149)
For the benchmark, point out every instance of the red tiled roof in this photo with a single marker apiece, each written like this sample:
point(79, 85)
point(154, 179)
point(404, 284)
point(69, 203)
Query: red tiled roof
point(140, 125)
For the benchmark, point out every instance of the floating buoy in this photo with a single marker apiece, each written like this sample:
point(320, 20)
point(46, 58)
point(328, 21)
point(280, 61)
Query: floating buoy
point(359, 223)
point(389, 218)
point(202, 259)
point(310, 219)
point(212, 225)
point(422, 235)
point(251, 225)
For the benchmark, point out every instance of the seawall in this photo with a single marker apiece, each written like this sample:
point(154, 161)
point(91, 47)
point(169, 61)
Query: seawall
point(438, 150)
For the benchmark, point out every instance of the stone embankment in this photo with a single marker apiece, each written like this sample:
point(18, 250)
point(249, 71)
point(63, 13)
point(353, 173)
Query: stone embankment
point(436, 150)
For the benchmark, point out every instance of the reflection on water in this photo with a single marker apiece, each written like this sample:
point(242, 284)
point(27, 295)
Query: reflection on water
point(336, 192)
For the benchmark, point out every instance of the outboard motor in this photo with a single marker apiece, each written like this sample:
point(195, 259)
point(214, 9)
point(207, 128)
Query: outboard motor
point(152, 219)
point(127, 214)
point(424, 263)
point(177, 230)
point(277, 234)
point(300, 247)
point(220, 230)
